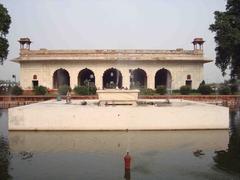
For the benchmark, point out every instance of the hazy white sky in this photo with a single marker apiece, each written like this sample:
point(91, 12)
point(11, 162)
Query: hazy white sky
point(113, 24)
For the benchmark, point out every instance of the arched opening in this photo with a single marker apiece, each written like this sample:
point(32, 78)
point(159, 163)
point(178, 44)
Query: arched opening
point(138, 79)
point(112, 78)
point(163, 78)
point(34, 76)
point(34, 81)
point(188, 81)
point(60, 77)
point(86, 78)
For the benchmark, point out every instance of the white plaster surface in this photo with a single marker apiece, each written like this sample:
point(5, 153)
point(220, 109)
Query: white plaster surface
point(43, 63)
point(45, 71)
point(56, 115)
point(121, 96)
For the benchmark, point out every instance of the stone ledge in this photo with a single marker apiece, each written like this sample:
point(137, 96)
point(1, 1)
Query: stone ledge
point(184, 115)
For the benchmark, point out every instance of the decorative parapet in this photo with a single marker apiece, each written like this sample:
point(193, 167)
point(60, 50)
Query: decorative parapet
point(179, 54)
point(111, 54)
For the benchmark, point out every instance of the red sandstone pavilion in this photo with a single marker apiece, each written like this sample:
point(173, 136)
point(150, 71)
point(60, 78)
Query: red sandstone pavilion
point(111, 68)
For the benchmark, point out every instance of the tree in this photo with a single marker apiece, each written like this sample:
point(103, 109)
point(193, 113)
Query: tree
point(5, 21)
point(227, 29)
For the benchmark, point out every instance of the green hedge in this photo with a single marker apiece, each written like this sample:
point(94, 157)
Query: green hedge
point(205, 89)
point(85, 90)
point(224, 90)
point(185, 90)
point(234, 88)
point(62, 90)
point(147, 91)
point(16, 90)
point(161, 90)
point(176, 91)
point(40, 90)
point(92, 90)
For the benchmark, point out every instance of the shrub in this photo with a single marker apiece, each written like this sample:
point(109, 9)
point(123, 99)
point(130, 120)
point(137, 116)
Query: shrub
point(194, 91)
point(16, 90)
point(224, 90)
point(81, 90)
point(176, 91)
point(202, 83)
point(62, 90)
point(85, 90)
point(234, 88)
point(40, 90)
point(92, 90)
point(185, 90)
point(161, 90)
point(205, 89)
point(147, 91)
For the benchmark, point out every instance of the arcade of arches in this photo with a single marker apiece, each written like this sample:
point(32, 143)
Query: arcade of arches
point(111, 68)
point(112, 78)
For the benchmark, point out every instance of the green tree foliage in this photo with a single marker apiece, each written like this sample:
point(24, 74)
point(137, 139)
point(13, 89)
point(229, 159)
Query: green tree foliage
point(202, 83)
point(5, 21)
point(224, 90)
point(205, 89)
point(227, 29)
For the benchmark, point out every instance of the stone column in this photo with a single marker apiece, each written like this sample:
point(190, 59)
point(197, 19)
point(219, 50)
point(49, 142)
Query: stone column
point(98, 81)
point(126, 79)
point(151, 81)
point(73, 79)
point(172, 82)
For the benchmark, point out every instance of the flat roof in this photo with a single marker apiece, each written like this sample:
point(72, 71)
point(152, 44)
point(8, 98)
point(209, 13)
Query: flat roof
point(111, 55)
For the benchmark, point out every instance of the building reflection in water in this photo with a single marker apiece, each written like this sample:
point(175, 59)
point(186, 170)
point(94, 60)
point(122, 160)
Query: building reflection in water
point(229, 160)
point(4, 158)
point(72, 153)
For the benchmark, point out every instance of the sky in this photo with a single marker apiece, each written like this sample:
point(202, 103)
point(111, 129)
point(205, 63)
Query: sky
point(112, 24)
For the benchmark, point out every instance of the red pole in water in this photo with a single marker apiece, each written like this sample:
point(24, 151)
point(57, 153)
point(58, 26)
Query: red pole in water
point(127, 161)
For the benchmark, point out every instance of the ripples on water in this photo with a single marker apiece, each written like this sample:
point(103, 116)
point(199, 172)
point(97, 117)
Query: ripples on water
point(99, 155)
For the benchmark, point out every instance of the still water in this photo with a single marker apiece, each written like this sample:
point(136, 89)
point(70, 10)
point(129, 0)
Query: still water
point(99, 155)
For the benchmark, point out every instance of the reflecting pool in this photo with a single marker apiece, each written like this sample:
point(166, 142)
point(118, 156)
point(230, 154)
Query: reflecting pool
point(99, 155)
